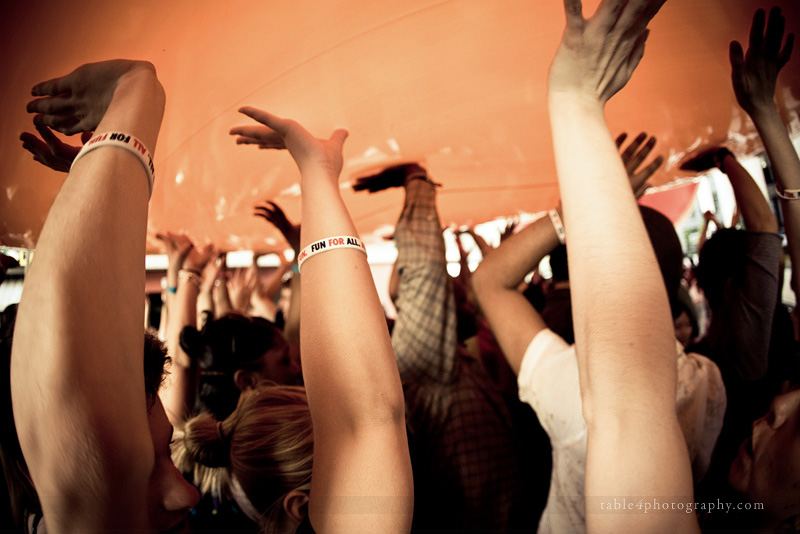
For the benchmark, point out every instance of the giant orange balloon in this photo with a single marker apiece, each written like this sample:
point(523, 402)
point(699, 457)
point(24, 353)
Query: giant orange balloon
point(459, 85)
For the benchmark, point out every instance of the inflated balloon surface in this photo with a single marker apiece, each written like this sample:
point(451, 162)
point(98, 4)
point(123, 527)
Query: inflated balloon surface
point(458, 85)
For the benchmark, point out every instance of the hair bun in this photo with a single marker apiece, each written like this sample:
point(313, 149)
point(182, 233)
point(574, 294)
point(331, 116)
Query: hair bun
point(207, 442)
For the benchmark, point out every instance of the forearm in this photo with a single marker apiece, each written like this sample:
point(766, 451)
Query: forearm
point(273, 286)
point(626, 358)
point(750, 200)
point(80, 319)
point(177, 395)
point(350, 346)
point(291, 329)
point(222, 300)
point(514, 321)
point(605, 231)
point(786, 170)
point(353, 387)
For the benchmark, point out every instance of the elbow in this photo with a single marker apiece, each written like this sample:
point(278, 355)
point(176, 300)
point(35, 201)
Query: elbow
point(481, 282)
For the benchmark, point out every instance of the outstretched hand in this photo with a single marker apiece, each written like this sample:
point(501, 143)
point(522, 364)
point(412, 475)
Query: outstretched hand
point(51, 151)
point(394, 176)
point(597, 56)
point(273, 213)
point(177, 247)
point(754, 75)
point(199, 257)
point(310, 153)
point(632, 158)
point(78, 101)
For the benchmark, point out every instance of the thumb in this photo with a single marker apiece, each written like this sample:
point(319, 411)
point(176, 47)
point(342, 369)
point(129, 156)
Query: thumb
point(339, 136)
point(736, 56)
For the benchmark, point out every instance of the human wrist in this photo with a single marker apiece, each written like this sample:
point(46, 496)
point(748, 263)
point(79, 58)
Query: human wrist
point(764, 116)
point(574, 101)
point(137, 106)
point(192, 276)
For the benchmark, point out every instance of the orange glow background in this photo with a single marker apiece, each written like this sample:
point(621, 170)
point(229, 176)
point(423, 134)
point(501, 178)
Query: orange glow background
point(459, 85)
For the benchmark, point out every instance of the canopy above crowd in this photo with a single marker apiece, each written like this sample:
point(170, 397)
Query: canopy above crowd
point(459, 86)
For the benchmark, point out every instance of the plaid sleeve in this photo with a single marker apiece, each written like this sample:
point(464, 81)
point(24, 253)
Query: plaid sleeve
point(424, 335)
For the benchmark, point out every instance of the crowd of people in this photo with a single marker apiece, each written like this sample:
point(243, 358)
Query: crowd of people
point(589, 402)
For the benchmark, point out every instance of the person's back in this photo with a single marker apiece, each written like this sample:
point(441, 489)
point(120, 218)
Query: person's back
point(465, 456)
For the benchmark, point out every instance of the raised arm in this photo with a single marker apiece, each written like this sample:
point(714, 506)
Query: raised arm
point(514, 321)
point(626, 357)
point(77, 380)
point(361, 479)
point(272, 213)
point(178, 394)
point(754, 78)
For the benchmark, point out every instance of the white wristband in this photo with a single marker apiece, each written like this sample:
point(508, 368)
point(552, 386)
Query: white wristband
point(788, 194)
point(558, 226)
point(329, 243)
point(121, 140)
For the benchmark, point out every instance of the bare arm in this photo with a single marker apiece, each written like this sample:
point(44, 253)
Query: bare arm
point(178, 393)
point(750, 201)
point(626, 358)
point(77, 381)
point(754, 77)
point(351, 377)
point(514, 321)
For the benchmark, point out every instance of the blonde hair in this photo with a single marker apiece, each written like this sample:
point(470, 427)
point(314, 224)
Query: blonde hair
point(267, 443)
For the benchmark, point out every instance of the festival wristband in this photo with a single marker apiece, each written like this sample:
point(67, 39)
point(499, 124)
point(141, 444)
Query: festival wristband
point(788, 194)
point(329, 243)
point(558, 226)
point(121, 140)
point(191, 276)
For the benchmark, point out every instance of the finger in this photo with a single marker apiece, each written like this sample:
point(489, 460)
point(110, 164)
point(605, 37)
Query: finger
point(774, 35)
point(265, 208)
point(277, 210)
point(53, 142)
point(757, 31)
point(268, 213)
point(642, 154)
point(246, 140)
point(60, 123)
point(634, 18)
point(639, 193)
point(339, 135)
point(606, 14)
point(648, 171)
point(267, 216)
point(736, 55)
point(574, 11)
point(786, 53)
point(250, 130)
point(56, 86)
point(51, 105)
point(268, 119)
point(633, 147)
point(637, 53)
point(621, 139)
point(34, 145)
